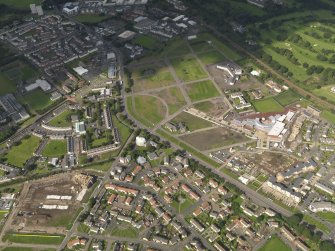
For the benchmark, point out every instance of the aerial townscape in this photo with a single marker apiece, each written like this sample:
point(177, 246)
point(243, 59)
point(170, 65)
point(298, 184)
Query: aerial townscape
point(167, 125)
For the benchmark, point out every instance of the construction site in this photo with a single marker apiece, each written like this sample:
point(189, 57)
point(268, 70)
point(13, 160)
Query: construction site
point(49, 205)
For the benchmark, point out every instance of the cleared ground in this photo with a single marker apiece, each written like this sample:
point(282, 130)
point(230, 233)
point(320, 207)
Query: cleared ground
point(213, 107)
point(18, 155)
point(213, 138)
point(202, 90)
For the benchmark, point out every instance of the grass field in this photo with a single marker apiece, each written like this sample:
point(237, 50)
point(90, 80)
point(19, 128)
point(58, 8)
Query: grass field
point(212, 57)
point(201, 46)
point(205, 106)
point(151, 77)
point(267, 105)
point(18, 155)
point(147, 42)
point(316, 223)
point(55, 148)
point(328, 115)
point(34, 238)
point(90, 18)
point(325, 92)
point(6, 85)
point(20, 4)
point(63, 119)
point(173, 98)
point(287, 98)
point(16, 249)
point(202, 90)
point(124, 130)
point(191, 122)
point(188, 69)
point(181, 207)
point(149, 109)
point(275, 244)
point(328, 216)
point(121, 231)
point(37, 100)
point(3, 213)
point(175, 48)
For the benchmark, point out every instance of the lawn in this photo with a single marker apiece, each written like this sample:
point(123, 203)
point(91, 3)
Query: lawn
point(34, 238)
point(176, 48)
point(148, 42)
point(212, 57)
point(187, 148)
point(20, 4)
point(6, 85)
point(325, 92)
point(328, 216)
point(201, 46)
point(18, 155)
point(328, 115)
point(90, 18)
point(55, 148)
point(173, 97)
point(121, 231)
point(188, 69)
point(3, 213)
point(63, 119)
point(202, 90)
point(205, 106)
point(191, 122)
point(124, 130)
point(37, 100)
point(267, 105)
point(149, 109)
point(275, 244)
point(316, 223)
point(181, 207)
point(151, 77)
point(16, 249)
point(287, 98)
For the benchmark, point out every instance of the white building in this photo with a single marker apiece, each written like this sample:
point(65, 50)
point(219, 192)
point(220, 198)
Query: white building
point(140, 141)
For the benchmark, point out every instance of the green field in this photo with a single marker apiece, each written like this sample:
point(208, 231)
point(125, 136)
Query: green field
point(34, 238)
point(173, 98)
point(124, 130)
point(201, 46)
point(328, 115)
point(37, 100)
point(149, 110)
point(275, 244)
point(325, 92)
point(267, 105)
point(188, 69)
point(16, 249)
point(147, 42)
point(212, 57)
point(205, 106)
point(18, 155)
point(90, 18)
point(129, 232)
point(191, 122)
point(202, 90)
point(55, 148)
point(181, 207)
point(63, 119)
point(287, 98)
point(151, 77)
point(20, 4)
point(175, 48)
point(316, 223)
point(328, 216)
point(6, 85)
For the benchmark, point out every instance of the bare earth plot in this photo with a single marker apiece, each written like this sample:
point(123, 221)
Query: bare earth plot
point(213, 107)
point(213, 138)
